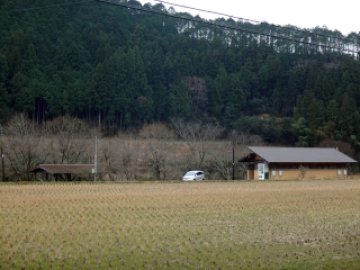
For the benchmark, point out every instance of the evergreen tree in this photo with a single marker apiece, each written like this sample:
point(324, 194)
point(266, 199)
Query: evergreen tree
point(126, 68)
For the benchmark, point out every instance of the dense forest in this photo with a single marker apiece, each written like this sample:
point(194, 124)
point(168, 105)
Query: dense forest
point(121, 68)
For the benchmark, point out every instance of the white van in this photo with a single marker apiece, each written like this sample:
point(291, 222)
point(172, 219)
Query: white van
point(194, 176)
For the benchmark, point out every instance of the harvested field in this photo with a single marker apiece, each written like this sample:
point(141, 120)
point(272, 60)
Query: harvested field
point(209, 225)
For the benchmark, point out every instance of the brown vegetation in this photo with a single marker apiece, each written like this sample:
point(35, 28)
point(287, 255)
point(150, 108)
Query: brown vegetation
point(156, 152)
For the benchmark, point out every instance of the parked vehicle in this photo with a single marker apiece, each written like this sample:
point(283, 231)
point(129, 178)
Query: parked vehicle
point(194, 176)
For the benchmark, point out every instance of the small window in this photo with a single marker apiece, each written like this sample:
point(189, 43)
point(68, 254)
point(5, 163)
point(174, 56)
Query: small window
point(345, 172)
point(274, 173)
point(339, 172)
point(281, 173)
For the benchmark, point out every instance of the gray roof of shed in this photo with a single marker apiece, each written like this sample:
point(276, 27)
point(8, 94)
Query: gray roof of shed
point(301, 155)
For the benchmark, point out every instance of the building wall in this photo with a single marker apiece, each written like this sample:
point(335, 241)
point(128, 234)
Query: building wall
point(291, 174)
point(286, 173)
point(252, 174)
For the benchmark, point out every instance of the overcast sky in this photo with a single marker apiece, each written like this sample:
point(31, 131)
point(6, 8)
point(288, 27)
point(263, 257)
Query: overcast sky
point(335, 15)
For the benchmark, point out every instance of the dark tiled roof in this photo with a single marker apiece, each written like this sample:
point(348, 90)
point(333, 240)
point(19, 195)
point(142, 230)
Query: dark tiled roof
point(301, 155)
point(64, 168)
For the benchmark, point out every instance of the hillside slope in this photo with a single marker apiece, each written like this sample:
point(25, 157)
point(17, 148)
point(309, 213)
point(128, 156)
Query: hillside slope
point(128, 67)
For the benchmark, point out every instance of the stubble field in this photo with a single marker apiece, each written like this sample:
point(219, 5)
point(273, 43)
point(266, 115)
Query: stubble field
point(234, 225)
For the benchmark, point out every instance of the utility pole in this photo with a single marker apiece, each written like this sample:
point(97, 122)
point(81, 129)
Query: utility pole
point(233, 155)
point(2, 156)
point(95, 160)
point(99, 121)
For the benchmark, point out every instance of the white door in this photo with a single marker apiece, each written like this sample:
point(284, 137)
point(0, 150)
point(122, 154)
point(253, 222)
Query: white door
point(262, 169)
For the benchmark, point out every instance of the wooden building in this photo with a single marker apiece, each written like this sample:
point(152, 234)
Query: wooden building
point(290, 163)
point(64, 172)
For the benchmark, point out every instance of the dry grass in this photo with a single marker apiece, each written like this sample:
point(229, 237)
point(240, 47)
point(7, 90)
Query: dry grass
point(270, 225)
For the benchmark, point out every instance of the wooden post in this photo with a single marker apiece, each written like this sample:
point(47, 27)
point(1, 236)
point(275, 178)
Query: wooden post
point(233, 154)
point(95, 159)
point(2, 162)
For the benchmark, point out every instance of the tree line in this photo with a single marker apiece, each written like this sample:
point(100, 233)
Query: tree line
point(119, 69)
point(155, 152)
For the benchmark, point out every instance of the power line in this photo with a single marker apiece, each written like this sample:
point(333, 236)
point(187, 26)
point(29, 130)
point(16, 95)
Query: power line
point(235, 28)
point(226, 26)
point(247, 20)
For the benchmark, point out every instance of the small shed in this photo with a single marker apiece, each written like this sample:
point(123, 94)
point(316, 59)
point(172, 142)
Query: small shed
point(63, 172)
point(296, 163)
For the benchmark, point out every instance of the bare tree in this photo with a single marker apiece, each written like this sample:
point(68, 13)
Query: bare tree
point(221, 160)
point(108, 159)
point(119, 158)
point(197, 135)
point(131, 159)
point(71, 139)
point(156, 156)
point(156, 131)
point(196, 131)
point(123, 158)
point(127, 162)
point(225, 155)
point(244, 139)
point(21, 146)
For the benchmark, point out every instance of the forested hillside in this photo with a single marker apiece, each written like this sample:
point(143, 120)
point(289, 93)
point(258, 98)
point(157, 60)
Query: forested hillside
point(124, 68)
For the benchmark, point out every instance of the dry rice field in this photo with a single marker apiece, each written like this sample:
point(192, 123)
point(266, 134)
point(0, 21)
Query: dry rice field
point(209, 225)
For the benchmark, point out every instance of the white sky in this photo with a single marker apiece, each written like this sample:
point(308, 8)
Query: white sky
point(335, 15)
